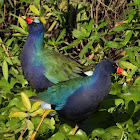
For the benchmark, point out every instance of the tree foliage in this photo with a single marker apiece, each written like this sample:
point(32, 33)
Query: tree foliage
point(87, 31)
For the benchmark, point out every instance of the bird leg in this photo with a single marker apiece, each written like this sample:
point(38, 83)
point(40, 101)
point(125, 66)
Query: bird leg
point(45, 113)
point(75, 129)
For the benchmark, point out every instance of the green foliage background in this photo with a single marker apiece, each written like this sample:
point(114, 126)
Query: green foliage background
point(87, 31)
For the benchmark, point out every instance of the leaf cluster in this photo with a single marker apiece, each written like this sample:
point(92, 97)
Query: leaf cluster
point(87, 32)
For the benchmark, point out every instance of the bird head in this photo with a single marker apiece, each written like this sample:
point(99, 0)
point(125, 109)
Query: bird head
point(35, 25)
point(110, 66)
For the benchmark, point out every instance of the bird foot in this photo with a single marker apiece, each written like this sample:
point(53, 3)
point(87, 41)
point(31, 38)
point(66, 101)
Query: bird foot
point(75, 129)
point(45, 113)
point(33, 136)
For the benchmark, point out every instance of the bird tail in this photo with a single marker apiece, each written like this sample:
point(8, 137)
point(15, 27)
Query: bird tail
point(35, 99)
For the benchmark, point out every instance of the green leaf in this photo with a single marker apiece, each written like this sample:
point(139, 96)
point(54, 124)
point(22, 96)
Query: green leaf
point(132, 73)
point(136, 136)
point(19, 29)
point(79, 34)
point(99, 132)
point(61, 36)
point(137, 2)
point(131, 49)
point(14, 70)
point(85, 49)
point(9, 42)
point(9, 60)
point(131, 15)
point(26, 101)
point(137, 81)
point(120, 28)
point(19, 115)
point(12, 82)
point(74, 137)
point(137, 58)
point(82, 134)
point(131, 94)
point(47, 8)
point(65, 128)
point(119, 125)
point(5, 70)
point(47, 123)
point(43, 20)
point(29, 92)
point(132, 128)
point(127, 65)
point(102, 25)
point(71, 45)
point(22, 23)
point(37, 3)
point(58, 136)
point(39, 111)
point(14, 109)
point(34, 10)
point(114, 131)
point(131, 107)
point(16, 101)
point(14, 123)
point(119, 101)
point(115, 89)
point(113, 44)
point(90, 26)
point(0, 100)
point(1, 20)
point(52, 123)
point(131, 4)
point(127, 37)
point(35, 106)
point(1, 3)
point(96, 36)
point(30, 125)
point(11, 3)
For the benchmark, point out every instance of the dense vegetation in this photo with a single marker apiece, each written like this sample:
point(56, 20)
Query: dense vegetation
point(86, 31)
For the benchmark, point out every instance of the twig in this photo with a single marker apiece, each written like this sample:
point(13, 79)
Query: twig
point(4, 48)
point(118, 23)
point(97, 12)
point(24, 129)
point(91, 56)
point(92, 9)
point(106, 6)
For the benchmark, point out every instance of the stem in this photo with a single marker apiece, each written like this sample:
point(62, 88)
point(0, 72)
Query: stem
point(24, 129)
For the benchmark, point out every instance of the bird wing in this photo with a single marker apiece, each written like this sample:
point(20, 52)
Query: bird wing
point(61, 68)
point(59, 93)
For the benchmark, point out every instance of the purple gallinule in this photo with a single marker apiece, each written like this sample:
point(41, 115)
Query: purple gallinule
point(78, 98)
point(43, 67)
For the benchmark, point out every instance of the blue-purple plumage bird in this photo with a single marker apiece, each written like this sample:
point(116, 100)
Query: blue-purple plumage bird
point(43, 67)
point(76, 99)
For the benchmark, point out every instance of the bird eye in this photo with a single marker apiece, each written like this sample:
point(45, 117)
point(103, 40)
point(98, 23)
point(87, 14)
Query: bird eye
point(34, 23)
point(114, 66)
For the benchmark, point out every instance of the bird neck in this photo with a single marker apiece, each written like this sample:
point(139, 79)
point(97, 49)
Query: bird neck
point(100, 75)
point(35, 40)
point(100, 71)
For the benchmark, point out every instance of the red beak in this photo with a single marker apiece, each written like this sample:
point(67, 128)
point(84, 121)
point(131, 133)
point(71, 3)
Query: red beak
point(29, 20)
point(121, 71)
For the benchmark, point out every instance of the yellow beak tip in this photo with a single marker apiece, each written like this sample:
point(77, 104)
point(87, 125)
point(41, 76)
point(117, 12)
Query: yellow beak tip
point(124, 73)
point(23, 17)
